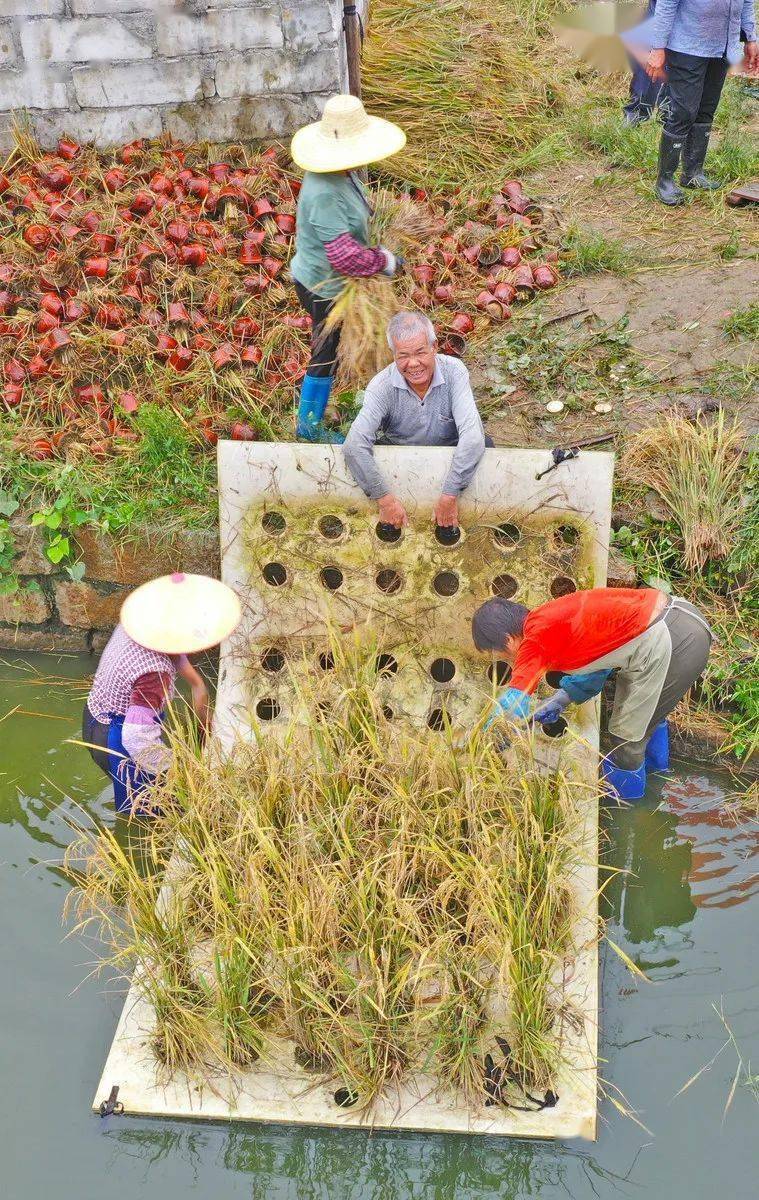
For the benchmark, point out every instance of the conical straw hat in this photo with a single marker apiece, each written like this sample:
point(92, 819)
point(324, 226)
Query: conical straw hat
point(345, 138)
point(180, 614)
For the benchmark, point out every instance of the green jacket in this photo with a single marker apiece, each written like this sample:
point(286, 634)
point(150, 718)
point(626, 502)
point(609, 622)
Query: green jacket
point(328, 206)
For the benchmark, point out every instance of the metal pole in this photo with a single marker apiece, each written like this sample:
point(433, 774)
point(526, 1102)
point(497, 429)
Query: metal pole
point(353, 30)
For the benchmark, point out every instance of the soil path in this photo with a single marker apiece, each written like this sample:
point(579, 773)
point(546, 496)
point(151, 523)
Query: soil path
point(675, 303)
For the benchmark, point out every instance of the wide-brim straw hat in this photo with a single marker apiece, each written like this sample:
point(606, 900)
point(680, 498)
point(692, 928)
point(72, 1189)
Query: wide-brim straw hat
point(345, 138)
point(180, 614)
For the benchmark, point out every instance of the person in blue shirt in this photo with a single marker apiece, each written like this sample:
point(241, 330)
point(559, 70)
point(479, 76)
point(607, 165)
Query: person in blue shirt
point(693, 44)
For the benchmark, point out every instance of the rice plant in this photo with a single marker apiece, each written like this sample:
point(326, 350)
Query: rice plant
point(389, 902)
point(695, 467)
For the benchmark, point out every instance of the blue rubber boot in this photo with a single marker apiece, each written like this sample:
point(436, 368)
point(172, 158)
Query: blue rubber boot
point(657, 750)
point(623, 785)
point(314, 397)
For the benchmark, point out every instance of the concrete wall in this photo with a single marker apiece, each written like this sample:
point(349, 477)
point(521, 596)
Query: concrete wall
point(109, 71)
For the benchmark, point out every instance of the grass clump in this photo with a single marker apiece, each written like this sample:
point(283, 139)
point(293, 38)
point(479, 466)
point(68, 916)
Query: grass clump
point(723, 520)
point(695, 467)
point(588, 252)
point(744, 322)
point(366, 892)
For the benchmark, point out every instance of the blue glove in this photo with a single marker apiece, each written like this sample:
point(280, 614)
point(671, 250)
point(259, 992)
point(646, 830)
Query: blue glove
point(580, 688)
point(553, 707)
point(512, 703)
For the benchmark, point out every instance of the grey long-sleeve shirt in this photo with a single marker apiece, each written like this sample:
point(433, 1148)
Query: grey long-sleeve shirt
point(393, 413)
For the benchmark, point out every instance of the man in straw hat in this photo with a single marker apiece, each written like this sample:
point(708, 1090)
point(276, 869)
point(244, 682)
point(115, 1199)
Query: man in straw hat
point(161, 623)
point(332, 234)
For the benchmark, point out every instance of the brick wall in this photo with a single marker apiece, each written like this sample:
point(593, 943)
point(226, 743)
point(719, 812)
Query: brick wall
point(58, 613)
point(109, 71)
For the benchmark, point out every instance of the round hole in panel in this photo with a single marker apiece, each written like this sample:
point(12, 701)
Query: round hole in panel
point(275, 574)
point(436, 719)
point(332, 578)
point(446, 583)
point(331, 527)
point(554, 729)
point(345, 1098)
point(272, 660)
point(273, 523)
point(507, 536)
point(387, 712)
point(566, 536)
point(504, 586)
point(326, 661)
point(388, 581)
point(447, 535)
point(499, 672)
point(268, 709)
point(386, 664)
point(388, 533)
point(443, 670)
point(562, 586)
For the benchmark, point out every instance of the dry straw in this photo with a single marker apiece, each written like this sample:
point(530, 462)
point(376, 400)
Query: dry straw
point(385, 900)
point(473, 86)
point(695, 467)
point(364, 306)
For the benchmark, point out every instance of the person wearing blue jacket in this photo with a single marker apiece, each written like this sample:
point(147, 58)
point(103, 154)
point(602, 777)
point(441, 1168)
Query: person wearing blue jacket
point(693, 43)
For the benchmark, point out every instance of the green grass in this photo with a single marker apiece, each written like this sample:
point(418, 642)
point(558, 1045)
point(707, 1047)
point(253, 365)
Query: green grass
point(733, 153)
point(579, 364)
point(588, 252)
point(726, 590)
point(165, 479)
point(743, 323)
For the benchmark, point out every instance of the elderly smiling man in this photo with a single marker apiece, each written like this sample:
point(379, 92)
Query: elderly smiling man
point(422, 399)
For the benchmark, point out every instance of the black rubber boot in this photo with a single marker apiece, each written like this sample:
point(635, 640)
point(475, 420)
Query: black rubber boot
point(669, 157)
point(694, 153)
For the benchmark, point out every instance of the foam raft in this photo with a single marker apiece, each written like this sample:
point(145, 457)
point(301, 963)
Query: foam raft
point(302, 547)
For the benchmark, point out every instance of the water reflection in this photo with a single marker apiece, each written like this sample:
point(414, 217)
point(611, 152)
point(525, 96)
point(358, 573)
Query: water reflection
point(322, 1164)
point(651, 888)
point(723, 872)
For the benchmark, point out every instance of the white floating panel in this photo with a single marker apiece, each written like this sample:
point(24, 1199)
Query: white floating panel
point(520, 537)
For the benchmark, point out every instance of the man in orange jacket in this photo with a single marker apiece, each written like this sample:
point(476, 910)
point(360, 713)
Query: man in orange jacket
point(658, 645)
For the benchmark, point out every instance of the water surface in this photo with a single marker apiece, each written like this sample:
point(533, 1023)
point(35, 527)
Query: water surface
point(684, 907)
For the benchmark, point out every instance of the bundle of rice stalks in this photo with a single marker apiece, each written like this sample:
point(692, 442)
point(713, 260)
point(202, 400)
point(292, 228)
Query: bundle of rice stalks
point(469, 84)
point(362, 311)
point(695, 467)
point(387, 903)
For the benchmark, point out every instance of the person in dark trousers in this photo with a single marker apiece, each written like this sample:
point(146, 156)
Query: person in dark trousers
point(658, 645)
point(646, 94)
point(332, 234)
point(693, 43)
